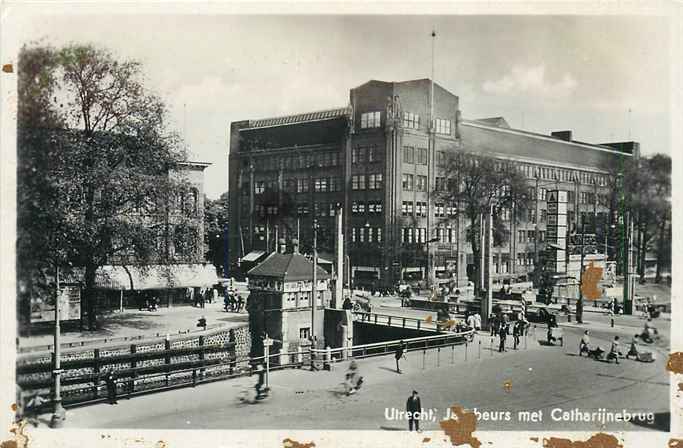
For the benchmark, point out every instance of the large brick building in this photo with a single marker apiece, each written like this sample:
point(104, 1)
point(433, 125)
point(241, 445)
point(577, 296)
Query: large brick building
point(379, 159)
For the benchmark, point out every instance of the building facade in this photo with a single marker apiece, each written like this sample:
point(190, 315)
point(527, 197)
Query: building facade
point(380, 158)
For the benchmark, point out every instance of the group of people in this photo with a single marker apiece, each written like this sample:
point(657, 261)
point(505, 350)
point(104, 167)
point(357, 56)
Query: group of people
point(233, 303)
point(502, 327)
point(598, 352)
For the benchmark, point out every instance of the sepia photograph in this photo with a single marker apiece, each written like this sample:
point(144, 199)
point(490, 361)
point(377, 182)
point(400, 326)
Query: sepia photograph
point(398, 222)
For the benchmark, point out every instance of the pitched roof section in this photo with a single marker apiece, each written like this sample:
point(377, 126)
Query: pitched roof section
point(329, 114)
point(289, 267)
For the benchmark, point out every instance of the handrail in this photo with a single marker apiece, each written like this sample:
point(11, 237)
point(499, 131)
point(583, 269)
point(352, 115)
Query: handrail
point(451, 335)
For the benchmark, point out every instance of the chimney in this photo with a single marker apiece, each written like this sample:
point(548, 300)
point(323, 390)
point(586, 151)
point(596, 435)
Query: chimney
point(295, 243)
point(282, 245)
point(562, 135)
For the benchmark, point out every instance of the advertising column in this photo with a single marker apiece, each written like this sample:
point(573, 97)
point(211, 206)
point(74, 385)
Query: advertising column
point(556, 231)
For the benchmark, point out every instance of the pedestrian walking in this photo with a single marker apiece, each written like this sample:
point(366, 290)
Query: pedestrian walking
point(110, 380)
point(413, 409)
point(400, 353)
point(240, 303)
point(494, 324)
point(516, 332)
point(502, 334)
point(614, 350)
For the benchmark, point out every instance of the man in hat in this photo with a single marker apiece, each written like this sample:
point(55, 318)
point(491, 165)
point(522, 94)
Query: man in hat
point(413, 408)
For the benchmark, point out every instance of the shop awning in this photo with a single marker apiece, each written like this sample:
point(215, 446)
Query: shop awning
point(156, 276)
point(253, 255)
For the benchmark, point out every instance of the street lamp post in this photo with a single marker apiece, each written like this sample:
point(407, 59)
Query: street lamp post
point(59, 414)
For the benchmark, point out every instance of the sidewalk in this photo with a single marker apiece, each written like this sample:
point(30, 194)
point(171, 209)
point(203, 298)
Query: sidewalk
point(133, 324)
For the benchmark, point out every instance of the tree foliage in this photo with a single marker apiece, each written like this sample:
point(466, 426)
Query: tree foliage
point(94, 161)
point(479, 183)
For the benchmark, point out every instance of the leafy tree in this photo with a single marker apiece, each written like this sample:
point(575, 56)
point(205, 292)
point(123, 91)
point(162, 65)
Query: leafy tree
point(643, 188)
point(94, 164)
point(479, 183)
point(215, 225)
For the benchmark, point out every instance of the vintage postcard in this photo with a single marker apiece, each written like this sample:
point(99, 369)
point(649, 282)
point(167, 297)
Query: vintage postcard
point(319, 224)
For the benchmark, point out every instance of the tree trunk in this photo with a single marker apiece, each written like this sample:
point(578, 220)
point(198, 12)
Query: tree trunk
point(89, 294)
point(474, 241)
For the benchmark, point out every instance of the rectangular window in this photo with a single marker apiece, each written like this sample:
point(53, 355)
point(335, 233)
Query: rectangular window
point(421, 208)
point(422, 156)
point(408, 154)
point(378, 207)
point(505, 214)
point(302, 209)
point(302, 185)
point(443, 126)
point(411, 120)
point(358, 155)
point(440, 158)
point(439, 210)
point(407, 208)
point(531, 234)
point(407, 182)
point(423, 235)
point(361, 207)
point(370, 232)
point(260, 187)
point(440, 183)
point(375, 181)
point(544, 215)
point(541, 235)
point(358, 182)
point(520, 236)
point(372, 153)
point(354, 207)
point(379, 234)
point(353, 235)
point(421, 183)
point(370, 120)
point(333, 210)
point(361, 234)
point(542, 192)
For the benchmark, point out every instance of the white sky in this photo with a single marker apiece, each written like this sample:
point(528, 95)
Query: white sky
point(541, 73)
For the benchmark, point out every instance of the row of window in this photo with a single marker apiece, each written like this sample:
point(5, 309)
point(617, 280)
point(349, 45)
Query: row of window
point(366, 234)
point(319, 208)
point(413, 155)
point(294, 161)
point(561, 174)
point(414, 234)
point(412, 182)
point(410, 121)
point(529, 236)
point(374, 181)
point(363, 154)
point(359, 207)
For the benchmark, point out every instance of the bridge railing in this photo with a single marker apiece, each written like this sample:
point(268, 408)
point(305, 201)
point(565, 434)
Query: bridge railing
point(395, 321)
point(383, 348)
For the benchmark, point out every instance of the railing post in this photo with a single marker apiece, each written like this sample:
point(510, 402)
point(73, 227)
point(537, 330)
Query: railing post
point(167, 359)
point(438, 356)
point(201, 355)
point(424, 356)
point(375, 318)
point(452, 354)
point(479, 356)
point(96, 369)
point(133, 366)
point(491, 345)
point(466, 347)
point(418, 324)
point(404, 322)
point(389, 322)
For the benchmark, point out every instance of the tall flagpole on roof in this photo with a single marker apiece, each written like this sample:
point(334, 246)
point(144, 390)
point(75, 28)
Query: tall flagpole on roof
point(431, 93)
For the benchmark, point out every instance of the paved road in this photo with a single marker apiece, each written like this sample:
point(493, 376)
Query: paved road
point(540, 378)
